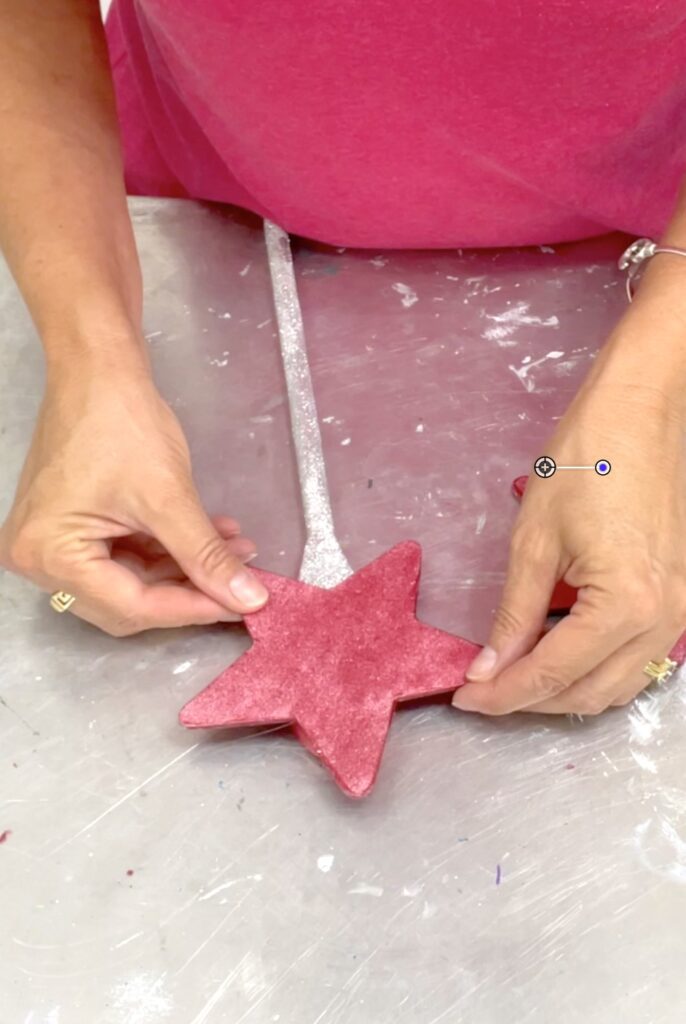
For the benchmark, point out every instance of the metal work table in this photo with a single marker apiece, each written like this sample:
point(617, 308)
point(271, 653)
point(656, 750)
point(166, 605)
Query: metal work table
point(521, 870)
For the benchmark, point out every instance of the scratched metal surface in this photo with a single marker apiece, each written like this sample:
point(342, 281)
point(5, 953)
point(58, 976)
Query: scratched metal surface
point(511, 870)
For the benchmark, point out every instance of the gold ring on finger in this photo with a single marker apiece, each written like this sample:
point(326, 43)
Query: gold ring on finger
point(660, 671)
point(61, 601)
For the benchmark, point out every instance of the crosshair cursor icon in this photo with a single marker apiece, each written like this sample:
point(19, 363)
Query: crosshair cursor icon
point(545, 467)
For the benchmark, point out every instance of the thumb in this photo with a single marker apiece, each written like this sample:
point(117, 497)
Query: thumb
point(188, 534)
point(521, 614)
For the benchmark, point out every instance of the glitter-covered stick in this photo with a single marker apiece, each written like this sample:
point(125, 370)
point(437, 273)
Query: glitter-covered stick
point(323, 563)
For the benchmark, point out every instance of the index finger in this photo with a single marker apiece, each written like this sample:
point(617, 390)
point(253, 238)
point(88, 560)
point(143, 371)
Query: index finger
point(591, 632)
point(112, 597)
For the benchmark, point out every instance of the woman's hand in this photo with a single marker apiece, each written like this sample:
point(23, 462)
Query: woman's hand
point(106, 510)
point(619, 539)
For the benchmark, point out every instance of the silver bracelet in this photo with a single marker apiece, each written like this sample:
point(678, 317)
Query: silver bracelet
point(638, 253)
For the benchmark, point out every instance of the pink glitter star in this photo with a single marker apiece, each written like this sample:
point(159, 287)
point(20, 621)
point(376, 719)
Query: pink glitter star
point(334, 663)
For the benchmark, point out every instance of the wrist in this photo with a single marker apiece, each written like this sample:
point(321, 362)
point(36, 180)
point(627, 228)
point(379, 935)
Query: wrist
point(95, 339)
point(663, 286)
point(645, 356)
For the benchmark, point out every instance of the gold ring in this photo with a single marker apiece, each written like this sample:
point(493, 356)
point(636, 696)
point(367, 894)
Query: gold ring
point(660, 671)
point(61, 601)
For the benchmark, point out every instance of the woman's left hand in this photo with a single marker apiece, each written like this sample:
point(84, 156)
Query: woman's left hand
point(619, 539)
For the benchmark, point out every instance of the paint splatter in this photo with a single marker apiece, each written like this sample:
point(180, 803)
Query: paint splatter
point(182, 667)
point(224, 361)
point(4, 836)
point(510, 320)
point(130, 872)
point(325, 862)
point(498, 874)
point(408, 296)
point(364, 889)
point(522, 372)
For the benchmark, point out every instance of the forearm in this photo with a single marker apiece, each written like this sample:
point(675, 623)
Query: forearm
point(64, 224)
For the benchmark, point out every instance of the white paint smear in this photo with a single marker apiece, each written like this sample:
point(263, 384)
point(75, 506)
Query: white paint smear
point(363, 889)
point(508, 322)
point(224, 361)
point(325, 862)
point(522, 372)
point(141, 999)
point(183, 667)
point(501, 335)
point(408, 297)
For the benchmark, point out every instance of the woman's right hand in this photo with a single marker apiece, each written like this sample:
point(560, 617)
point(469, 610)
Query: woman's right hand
point(106, 510)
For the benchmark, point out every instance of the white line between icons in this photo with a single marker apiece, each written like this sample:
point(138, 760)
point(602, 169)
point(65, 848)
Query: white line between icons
point(545, 467)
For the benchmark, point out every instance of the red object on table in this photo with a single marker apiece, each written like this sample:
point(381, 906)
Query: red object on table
point(333, 663)
point(519, 486)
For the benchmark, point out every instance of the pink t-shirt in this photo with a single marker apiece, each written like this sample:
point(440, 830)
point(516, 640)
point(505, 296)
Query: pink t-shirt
point(390, 123)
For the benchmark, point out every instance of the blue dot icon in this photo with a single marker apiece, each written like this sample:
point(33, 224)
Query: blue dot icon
point(602, 467)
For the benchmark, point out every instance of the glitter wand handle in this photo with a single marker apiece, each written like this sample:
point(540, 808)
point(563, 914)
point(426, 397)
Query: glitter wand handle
point(323, 563)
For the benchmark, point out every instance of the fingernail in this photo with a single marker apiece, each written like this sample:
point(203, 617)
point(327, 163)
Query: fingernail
point(483, 665)
point(247, 589)
point(249, 558)
point(461, 700)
